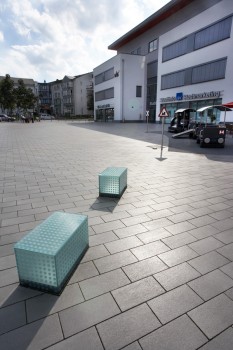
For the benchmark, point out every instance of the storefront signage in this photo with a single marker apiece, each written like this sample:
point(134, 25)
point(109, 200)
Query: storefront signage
point(180, 97)
point(103, 106)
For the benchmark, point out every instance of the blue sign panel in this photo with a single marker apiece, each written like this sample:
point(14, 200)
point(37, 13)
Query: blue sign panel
point(179, 96)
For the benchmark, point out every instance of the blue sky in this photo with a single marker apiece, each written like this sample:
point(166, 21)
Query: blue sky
point(48, 39)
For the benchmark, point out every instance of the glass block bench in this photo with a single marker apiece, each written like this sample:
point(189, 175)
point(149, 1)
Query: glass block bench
point(47, 256)
point(112, 182)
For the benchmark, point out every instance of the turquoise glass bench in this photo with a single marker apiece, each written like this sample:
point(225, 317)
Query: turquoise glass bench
point(48, 255)
point(112, 182)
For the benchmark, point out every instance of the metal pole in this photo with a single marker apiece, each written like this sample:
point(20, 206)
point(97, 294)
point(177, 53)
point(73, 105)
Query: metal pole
point(162, 137)
point(147, 118)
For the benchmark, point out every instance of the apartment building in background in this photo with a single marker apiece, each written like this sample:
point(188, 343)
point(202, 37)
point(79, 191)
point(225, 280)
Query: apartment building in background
point(180, 57)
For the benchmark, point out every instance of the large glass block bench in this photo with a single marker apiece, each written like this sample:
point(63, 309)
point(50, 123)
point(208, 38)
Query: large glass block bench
point(48, 255)
point(112, 182)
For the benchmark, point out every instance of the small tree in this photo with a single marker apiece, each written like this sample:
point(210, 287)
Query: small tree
point(25, 98)
point(7, 95)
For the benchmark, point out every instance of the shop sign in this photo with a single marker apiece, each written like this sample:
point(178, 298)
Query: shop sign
point(180, 97)
point(104, 106)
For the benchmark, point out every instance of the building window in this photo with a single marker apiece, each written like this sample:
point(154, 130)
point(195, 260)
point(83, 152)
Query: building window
point(153, 45)
point(138, 91)
point(198, 74)
point(136, 51)
point(104, 94)
point(176, 49)
point(104, 76)
point(210, 71)
point(173, 80)
point(214, 33)
point(197, 40)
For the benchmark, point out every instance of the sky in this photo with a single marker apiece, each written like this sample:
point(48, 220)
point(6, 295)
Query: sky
point(45, 40)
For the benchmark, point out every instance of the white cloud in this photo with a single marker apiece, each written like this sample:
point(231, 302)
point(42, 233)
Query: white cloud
point(1, 37)
point(49, 39)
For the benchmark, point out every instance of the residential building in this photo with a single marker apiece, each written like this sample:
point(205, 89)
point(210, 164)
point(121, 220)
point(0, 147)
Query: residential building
point(83, 94)
point(180, 57)
point(45, 98)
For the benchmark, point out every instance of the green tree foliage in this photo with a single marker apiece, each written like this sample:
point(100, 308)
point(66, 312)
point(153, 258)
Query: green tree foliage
point(7, 93)
point(25, 98)
point(19, 97)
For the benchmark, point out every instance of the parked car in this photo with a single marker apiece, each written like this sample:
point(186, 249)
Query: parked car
point(6, 118)
point(44, 116)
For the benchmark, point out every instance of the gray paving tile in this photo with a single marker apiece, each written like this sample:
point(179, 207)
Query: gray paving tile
point(225, 236)
point(227, 251)
point(156, 224)
point(208, 262)
point(223, 225)
point(102, 238)
point(84, 271)
point(214, 316)
point(12, 317)
point(86, 340)
point(137, 293)
point(205, 245)
point(7, 249)
point(155, 235)
point(144, 268)
point(123, 244)
point(47, 304)
point(8, 276)
point(115, 261)
point(228, 269)
point(127, 327)
point(179, 334)
point(34, 336)
point(223, 341)
point(211, 284)
point(178, 240)
point(135, 220)
point(108, 226)
point(174, 303)
point(130, 231)
point(88, 314)
point(7, 262)
point(17, 220)
point(14, 293)
point(104, 283)
point(180, 227)
point(95, 253)
point(229, 293)
point(115, 216)
point(158, 214)
point(149, 250)
point(133, 346)
point(200, 211)
point(204, 231)
point(9, 229)
point(12, 238)
point(177, 256)
point(176, 276)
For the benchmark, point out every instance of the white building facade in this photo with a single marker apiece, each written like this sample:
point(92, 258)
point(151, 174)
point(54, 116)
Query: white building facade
point(181, 57)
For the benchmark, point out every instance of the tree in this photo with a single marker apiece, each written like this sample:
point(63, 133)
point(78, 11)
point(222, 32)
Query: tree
point(25, 98)
point(7, 96)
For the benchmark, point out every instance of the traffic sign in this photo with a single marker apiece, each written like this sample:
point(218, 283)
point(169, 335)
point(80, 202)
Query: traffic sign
point(163, 113)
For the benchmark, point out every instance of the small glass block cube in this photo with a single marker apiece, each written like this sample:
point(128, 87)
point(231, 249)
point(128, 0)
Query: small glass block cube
point(112, 182)
point(47, 256)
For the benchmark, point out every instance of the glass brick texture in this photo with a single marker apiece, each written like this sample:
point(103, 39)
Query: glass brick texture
point(113, 181)
point(46, 256)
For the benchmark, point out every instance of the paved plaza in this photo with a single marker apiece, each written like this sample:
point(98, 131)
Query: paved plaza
point(159, 271)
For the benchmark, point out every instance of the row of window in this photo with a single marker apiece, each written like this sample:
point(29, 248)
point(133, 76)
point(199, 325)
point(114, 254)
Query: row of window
point(104, 76)
point(109, 93)
point(204, 37)
point(198, 74)
point(104, 94)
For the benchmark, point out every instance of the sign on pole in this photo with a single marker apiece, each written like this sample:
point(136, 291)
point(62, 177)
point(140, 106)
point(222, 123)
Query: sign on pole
point(163, 114)
point(147, 119)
